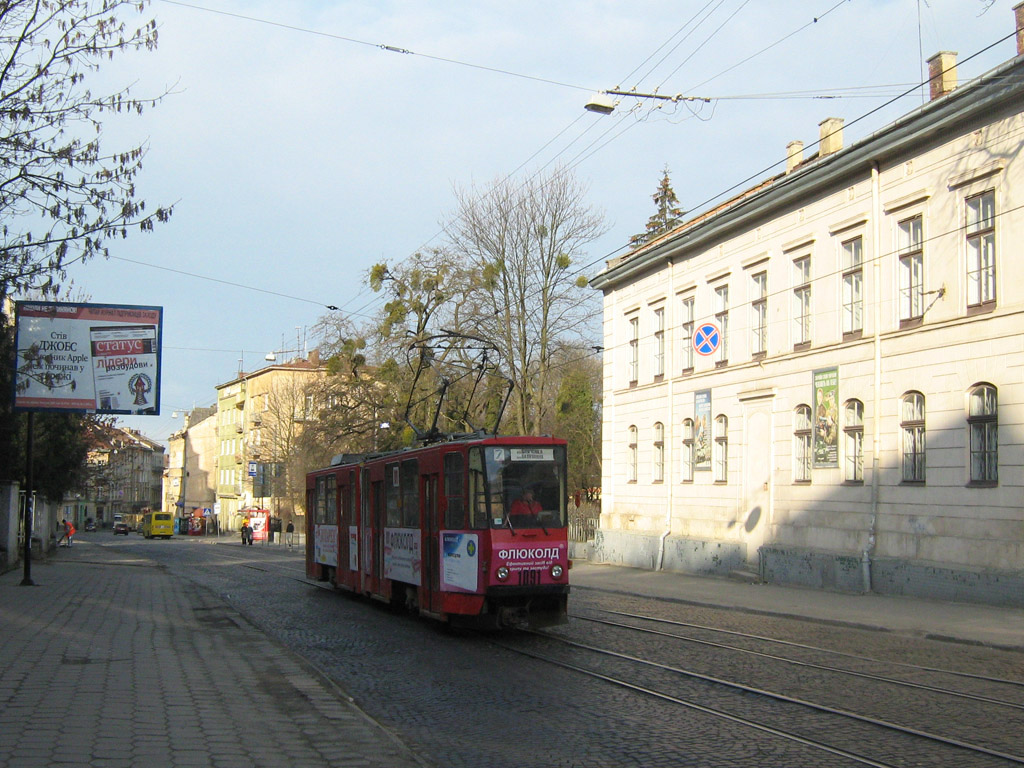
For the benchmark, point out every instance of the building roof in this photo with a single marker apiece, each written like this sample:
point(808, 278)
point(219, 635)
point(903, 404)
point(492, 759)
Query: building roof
point(968, 103)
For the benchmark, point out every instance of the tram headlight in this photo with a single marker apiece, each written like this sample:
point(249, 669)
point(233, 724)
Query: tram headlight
point(502, 573)
point(556, 571)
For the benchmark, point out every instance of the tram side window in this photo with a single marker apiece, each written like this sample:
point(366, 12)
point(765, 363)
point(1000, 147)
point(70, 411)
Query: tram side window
point(454, 491)
point(411, 493)
point(352, 497)
point(393, 495)
point(477, 492)
point(321, 500)
point(331, 498)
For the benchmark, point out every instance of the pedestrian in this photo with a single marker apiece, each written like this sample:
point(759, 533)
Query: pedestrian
point(62, 526)
point(290, 534)
point(71, 532)
point(246, 534)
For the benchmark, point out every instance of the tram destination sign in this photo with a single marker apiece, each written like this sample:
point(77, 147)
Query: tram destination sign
point(93, 358)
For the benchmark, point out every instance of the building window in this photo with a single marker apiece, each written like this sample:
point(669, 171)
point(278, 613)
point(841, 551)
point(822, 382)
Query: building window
point(631, 464)
point(686, 327)
point(911, 251)
point(802, 300)
point(759, 313)
point(912, 428)
point(659, 452)
point(659, 343)
point(981, 249)
point(853, 435)
point(983, 424)
point(722, 319)
point(634, 350)
point(802, 444)
point(689, 450)
point(853, 285)
point(721, 449)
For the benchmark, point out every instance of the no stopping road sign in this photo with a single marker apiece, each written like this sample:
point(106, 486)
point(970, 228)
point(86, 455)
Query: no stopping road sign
point(706, 339)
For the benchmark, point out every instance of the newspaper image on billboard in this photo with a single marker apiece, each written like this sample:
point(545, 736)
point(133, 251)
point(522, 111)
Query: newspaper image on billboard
point(97, 358)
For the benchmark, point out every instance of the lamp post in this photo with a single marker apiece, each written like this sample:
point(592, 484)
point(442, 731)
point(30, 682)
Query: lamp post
point(604, 104)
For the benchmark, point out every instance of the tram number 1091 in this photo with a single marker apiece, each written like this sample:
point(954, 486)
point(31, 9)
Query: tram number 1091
point(529, 578)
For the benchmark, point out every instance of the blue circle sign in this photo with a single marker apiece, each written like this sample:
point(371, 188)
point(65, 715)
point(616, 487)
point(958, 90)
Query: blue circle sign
point(706, 339)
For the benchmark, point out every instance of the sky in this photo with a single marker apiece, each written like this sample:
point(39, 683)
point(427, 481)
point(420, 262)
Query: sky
point(303, 142)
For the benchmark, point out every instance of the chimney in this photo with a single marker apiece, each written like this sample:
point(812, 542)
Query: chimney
point(1018, 17)
point(942, 73)
point(830, 133)
point(794, 155)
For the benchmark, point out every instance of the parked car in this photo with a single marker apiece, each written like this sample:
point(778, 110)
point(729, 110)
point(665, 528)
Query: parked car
point(90, 525)
point(121, 527)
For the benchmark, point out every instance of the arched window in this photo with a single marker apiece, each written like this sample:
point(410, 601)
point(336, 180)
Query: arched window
point(631, 466)
point(689, 450)
point(983, 425)
point(721, 449)
point(659, 452)
point(912, 427)
point(853, 433)
point(802, 444)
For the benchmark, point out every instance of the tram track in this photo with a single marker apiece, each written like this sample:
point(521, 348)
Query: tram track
point(818, 666)
point(916, 745)
point(847, 737)
point(806, 647)
point(940, 750)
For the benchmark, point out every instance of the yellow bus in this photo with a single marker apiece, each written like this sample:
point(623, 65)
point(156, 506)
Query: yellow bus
point(158, 524)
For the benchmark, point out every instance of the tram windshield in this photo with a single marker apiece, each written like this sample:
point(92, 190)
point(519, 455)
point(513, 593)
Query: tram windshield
point(518, 486)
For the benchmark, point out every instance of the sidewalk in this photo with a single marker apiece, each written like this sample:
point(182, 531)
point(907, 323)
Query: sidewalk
point(110, 662)
point(960, 622)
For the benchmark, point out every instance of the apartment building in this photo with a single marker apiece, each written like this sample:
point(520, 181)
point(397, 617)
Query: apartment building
point(260, 416)
point(190, 481)
point(820, 381)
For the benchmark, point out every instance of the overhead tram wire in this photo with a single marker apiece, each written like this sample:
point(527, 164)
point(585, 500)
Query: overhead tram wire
point(382, 46)
point(389, 48)
point(233, 284)
point(594, 147)
point(760, 174)
point(767, 48)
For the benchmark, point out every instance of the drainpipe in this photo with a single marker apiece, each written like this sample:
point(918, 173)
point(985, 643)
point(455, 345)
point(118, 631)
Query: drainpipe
point(669, 436)
point(876, 436)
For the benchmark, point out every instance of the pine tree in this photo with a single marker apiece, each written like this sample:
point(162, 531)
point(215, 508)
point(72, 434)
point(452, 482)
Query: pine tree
point(668, 216)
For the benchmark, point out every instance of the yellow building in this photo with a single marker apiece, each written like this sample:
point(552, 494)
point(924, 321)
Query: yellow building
point(260, 416)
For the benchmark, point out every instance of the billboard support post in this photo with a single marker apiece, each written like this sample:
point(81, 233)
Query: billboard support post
point(26, 580)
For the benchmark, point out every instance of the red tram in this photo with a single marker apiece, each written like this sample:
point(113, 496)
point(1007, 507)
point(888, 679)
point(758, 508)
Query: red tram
point(471, 530)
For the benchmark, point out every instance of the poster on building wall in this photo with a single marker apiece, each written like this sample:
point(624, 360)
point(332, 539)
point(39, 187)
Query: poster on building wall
point(826, 417)
point(97, 358)
point(702, 430)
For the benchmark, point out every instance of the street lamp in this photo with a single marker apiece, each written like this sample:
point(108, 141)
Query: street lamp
point(604, 104)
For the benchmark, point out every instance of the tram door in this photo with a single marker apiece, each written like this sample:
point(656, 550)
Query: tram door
point(431, 549)
point(379, 518)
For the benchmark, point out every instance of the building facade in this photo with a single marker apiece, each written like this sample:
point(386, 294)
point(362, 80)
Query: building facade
point(819, 382)
point(190, 482)
point(260, 417)
point(124, 476)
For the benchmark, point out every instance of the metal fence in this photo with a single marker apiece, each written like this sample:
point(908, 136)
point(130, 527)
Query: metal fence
point(583, 520)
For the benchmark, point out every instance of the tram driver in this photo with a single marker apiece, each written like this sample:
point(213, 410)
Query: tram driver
point(526, 508)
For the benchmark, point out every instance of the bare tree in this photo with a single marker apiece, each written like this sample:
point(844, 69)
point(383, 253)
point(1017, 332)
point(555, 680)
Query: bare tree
point(523, 239)
point(63, 196)
point(288, 409)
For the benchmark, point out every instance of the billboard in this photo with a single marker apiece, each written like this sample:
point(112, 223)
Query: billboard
point(96, 358)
